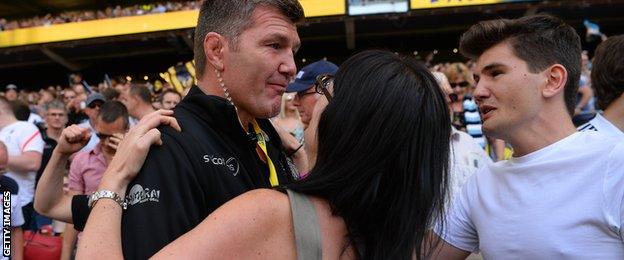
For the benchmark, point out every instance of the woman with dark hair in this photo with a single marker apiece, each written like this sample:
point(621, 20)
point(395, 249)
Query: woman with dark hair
point(378, 184)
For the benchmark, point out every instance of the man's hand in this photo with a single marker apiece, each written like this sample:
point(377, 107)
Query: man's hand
point(73, 138)
point(113, 141)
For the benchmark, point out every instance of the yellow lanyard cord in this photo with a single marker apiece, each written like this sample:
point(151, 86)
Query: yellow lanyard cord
point(262, 144)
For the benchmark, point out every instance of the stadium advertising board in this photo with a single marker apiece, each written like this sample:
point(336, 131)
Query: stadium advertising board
point(315, 8)
point(428, 4)
point(361, 7)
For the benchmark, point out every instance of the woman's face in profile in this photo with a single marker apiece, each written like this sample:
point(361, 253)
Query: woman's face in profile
point(310, 134)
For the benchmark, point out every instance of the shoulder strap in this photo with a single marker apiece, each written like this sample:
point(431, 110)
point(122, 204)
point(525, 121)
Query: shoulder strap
point(307, 228)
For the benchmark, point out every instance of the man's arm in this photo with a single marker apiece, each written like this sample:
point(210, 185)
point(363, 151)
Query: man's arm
point(50, 200)
point(69, 237)
point(445, 251)
point(586, 94)
point(29, 161)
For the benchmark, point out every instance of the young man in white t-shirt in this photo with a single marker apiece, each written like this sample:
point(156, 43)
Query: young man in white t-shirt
point(25, 147)
point(560, 196)
point(608, 81)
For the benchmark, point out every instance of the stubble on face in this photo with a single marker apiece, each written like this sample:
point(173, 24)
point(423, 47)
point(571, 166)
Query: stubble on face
point(507, 92)
point(253, 71)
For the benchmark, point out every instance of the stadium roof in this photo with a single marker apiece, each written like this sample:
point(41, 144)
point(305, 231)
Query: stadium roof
point(25, 8)
point(334, 37)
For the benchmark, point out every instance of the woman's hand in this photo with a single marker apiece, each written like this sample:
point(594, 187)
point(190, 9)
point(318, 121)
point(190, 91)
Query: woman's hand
point(133, 149)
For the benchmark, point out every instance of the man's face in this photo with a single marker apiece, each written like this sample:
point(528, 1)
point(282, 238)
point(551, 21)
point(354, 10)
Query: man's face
point(310, 133)
point(105, 130)
point(128, 100)
point(56, 118)
point(459, 84)
point(257, 71)
point(507, 93)
point(68, 97)
point(11, 95)
point(305, 102)
point(170, 100)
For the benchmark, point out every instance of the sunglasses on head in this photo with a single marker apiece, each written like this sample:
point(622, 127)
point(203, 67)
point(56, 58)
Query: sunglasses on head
point(462, 84)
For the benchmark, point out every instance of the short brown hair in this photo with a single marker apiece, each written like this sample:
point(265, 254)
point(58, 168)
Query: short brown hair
point(113, 110)
point(607, 75)
point(230, 18)
point(540, 40)
point(141, 91)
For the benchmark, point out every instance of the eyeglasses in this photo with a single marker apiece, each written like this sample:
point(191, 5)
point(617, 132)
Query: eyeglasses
point(321, 84)
point(462, 84)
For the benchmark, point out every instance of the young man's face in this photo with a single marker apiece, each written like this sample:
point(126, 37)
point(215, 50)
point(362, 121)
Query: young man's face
point(507, 93)
point(257, 70)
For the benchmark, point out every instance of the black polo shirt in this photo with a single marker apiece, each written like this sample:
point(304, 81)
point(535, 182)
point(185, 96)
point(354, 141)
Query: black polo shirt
point(193, 173)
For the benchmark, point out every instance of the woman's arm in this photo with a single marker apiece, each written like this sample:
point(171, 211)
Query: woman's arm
point(256, 224)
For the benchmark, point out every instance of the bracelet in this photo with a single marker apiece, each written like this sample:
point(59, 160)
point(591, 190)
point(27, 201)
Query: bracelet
point(295, 151)
point(106, 194)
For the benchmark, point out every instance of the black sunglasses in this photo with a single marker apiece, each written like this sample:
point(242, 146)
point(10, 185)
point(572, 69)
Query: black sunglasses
point(321, 84)
point(462, 84)
point(103, 136)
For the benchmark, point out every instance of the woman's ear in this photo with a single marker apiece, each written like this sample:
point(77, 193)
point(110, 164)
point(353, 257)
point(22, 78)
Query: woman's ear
point(214, 44)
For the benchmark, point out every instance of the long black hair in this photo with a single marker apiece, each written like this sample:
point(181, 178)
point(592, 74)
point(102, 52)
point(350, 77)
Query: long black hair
point(383, 154)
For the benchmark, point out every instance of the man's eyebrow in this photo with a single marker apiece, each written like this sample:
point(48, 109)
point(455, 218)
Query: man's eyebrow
point(492, 66)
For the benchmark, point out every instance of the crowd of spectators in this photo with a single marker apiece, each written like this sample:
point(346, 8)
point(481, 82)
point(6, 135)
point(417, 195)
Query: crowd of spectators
point(87, 15)
point(31, 123)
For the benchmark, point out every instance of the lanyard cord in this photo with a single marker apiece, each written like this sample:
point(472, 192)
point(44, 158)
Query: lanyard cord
point(262, 144)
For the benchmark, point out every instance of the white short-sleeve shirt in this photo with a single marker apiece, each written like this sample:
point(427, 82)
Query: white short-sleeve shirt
point(564, 201)
point(601, 124)
point(20, 137)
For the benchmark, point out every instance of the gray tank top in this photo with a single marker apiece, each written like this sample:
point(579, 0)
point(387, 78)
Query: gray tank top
point(307, 228)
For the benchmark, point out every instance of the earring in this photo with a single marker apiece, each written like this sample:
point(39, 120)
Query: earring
point(225, 90)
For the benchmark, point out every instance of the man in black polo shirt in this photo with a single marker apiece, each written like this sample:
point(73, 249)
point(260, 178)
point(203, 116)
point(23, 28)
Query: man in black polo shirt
point(244, 58)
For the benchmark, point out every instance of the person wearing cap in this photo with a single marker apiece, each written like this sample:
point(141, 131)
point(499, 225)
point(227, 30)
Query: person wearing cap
point(306, 97)
point(10, 92)
point(92, 109)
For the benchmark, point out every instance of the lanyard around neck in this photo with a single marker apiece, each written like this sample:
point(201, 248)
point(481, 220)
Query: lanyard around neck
point(262, 144)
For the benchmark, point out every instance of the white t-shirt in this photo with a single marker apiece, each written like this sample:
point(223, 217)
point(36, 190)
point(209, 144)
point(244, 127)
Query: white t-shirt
point(601, 124)
point(20, 137)
point(466, 158)
point(564, 201)
point(34, 119)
